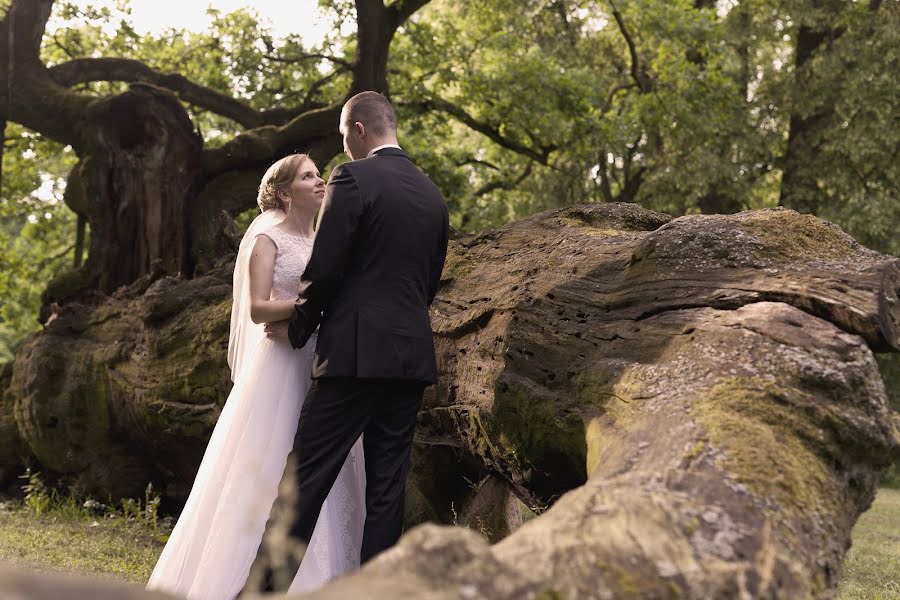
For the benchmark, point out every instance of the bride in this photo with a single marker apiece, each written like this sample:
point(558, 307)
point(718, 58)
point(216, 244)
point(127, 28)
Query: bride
point(218, 534)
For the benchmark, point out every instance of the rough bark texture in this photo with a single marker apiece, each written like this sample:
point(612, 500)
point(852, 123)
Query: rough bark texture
point(128, 391)
point(141, 169)
point(695, 399)
point(12, 452)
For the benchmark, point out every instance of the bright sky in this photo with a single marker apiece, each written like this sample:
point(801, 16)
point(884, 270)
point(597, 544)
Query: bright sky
point(284, 16)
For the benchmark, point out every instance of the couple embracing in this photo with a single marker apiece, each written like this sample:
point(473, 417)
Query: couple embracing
point(327, 384)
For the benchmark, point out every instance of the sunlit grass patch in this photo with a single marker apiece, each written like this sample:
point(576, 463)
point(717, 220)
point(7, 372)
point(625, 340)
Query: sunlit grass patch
point(54, 543)
point(872, 568)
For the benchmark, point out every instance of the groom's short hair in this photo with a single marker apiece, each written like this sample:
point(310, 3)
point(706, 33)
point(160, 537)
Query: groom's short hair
point(372, 110)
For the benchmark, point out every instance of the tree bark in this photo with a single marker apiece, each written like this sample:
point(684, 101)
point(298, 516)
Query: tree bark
point(799, 183)
point(142, 166)
point(691, 405)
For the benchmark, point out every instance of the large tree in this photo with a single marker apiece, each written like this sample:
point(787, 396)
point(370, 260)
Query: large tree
point(158, 198)
point(512, 107)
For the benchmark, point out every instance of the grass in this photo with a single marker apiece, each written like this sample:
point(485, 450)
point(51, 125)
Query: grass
point(112, 548)
point(872, 568)
point(47, 532)
point(65, 538)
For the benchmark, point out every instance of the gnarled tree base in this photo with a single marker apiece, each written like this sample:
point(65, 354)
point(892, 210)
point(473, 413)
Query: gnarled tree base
point(696, 400)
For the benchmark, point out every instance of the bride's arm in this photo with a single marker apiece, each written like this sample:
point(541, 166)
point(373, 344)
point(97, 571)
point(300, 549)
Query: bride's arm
point(262, 264)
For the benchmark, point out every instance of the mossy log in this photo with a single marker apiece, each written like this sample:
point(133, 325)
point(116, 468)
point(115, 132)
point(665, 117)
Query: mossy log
point(692, 406)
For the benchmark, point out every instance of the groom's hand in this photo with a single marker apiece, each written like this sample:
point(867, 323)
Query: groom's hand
point(277, 330)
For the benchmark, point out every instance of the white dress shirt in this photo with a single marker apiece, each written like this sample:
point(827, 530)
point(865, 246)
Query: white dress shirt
point(374, 150)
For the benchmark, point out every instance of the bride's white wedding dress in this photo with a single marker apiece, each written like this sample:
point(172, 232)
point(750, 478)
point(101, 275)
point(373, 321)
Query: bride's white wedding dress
point(214, 543)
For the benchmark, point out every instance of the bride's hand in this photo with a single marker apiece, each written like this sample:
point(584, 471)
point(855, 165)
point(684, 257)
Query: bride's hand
point(277, 330)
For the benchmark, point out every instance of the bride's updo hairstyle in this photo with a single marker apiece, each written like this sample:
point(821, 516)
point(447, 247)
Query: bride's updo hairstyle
point(278, 177)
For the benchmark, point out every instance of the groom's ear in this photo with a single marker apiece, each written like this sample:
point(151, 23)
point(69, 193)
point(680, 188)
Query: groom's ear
point(360, 129)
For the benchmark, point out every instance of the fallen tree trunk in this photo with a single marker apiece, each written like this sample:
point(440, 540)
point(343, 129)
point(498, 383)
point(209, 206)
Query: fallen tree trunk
point(696, 399)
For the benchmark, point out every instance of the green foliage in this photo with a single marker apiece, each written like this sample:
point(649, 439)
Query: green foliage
point(37, 230)
point(705, 129)
point(857, 166)
point(560, 111)
point(238, 56)
point(38, 498)
point(889, 365)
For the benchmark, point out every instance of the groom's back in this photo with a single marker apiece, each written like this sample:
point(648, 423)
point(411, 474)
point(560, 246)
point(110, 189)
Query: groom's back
point(377, 325)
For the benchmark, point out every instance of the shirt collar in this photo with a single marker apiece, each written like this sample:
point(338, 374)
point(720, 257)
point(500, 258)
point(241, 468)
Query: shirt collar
point(383, 146)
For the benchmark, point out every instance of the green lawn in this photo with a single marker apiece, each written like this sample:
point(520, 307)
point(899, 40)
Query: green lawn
point(127, 551)
point(105, 547)
point(872, 569)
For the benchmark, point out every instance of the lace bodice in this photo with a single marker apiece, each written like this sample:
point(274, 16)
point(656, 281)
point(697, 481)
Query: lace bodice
point(290, 261)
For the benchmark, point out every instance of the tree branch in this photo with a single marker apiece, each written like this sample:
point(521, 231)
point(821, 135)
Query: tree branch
point(51, 259)
point(612, 94)
point(401, 10)
point(30, 97)
point(27, 22)
point(637, 71)
point(68, 52)
point(474, 161)
point(346, 64)
point(315, 87)
point(503, 184)
point(84, 70)
point(266, 143)
point(492, 132)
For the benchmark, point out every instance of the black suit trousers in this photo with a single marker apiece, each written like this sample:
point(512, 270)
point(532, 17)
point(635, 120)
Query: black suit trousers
point(336, 411)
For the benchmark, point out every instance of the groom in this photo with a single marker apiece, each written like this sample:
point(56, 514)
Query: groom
point(374, 271)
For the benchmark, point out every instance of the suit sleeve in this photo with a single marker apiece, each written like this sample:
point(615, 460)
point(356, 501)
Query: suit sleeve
point(440, 255)
point(342, 209)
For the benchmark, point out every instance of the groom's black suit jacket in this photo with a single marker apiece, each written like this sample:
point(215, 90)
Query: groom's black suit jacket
point(374, 270)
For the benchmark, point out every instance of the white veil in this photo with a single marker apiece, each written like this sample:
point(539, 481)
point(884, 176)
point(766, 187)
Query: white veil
point(246, 335)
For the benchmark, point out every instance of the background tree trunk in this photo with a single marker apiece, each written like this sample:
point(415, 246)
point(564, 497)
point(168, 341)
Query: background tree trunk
point(799, 184)
point(141, 166)
point(157, 202)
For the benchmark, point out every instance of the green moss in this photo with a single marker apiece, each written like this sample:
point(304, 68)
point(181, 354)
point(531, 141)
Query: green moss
point(696, 451)
point(791, 235)
point(67, 285)
point(459, 263)
point(591, 229)
point(534, 435)
point(616, 219)
point(622, 580)
point(767, 441)
point(607, 394)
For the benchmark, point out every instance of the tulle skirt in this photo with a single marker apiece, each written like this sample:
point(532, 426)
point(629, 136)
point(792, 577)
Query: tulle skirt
point(213, 545)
